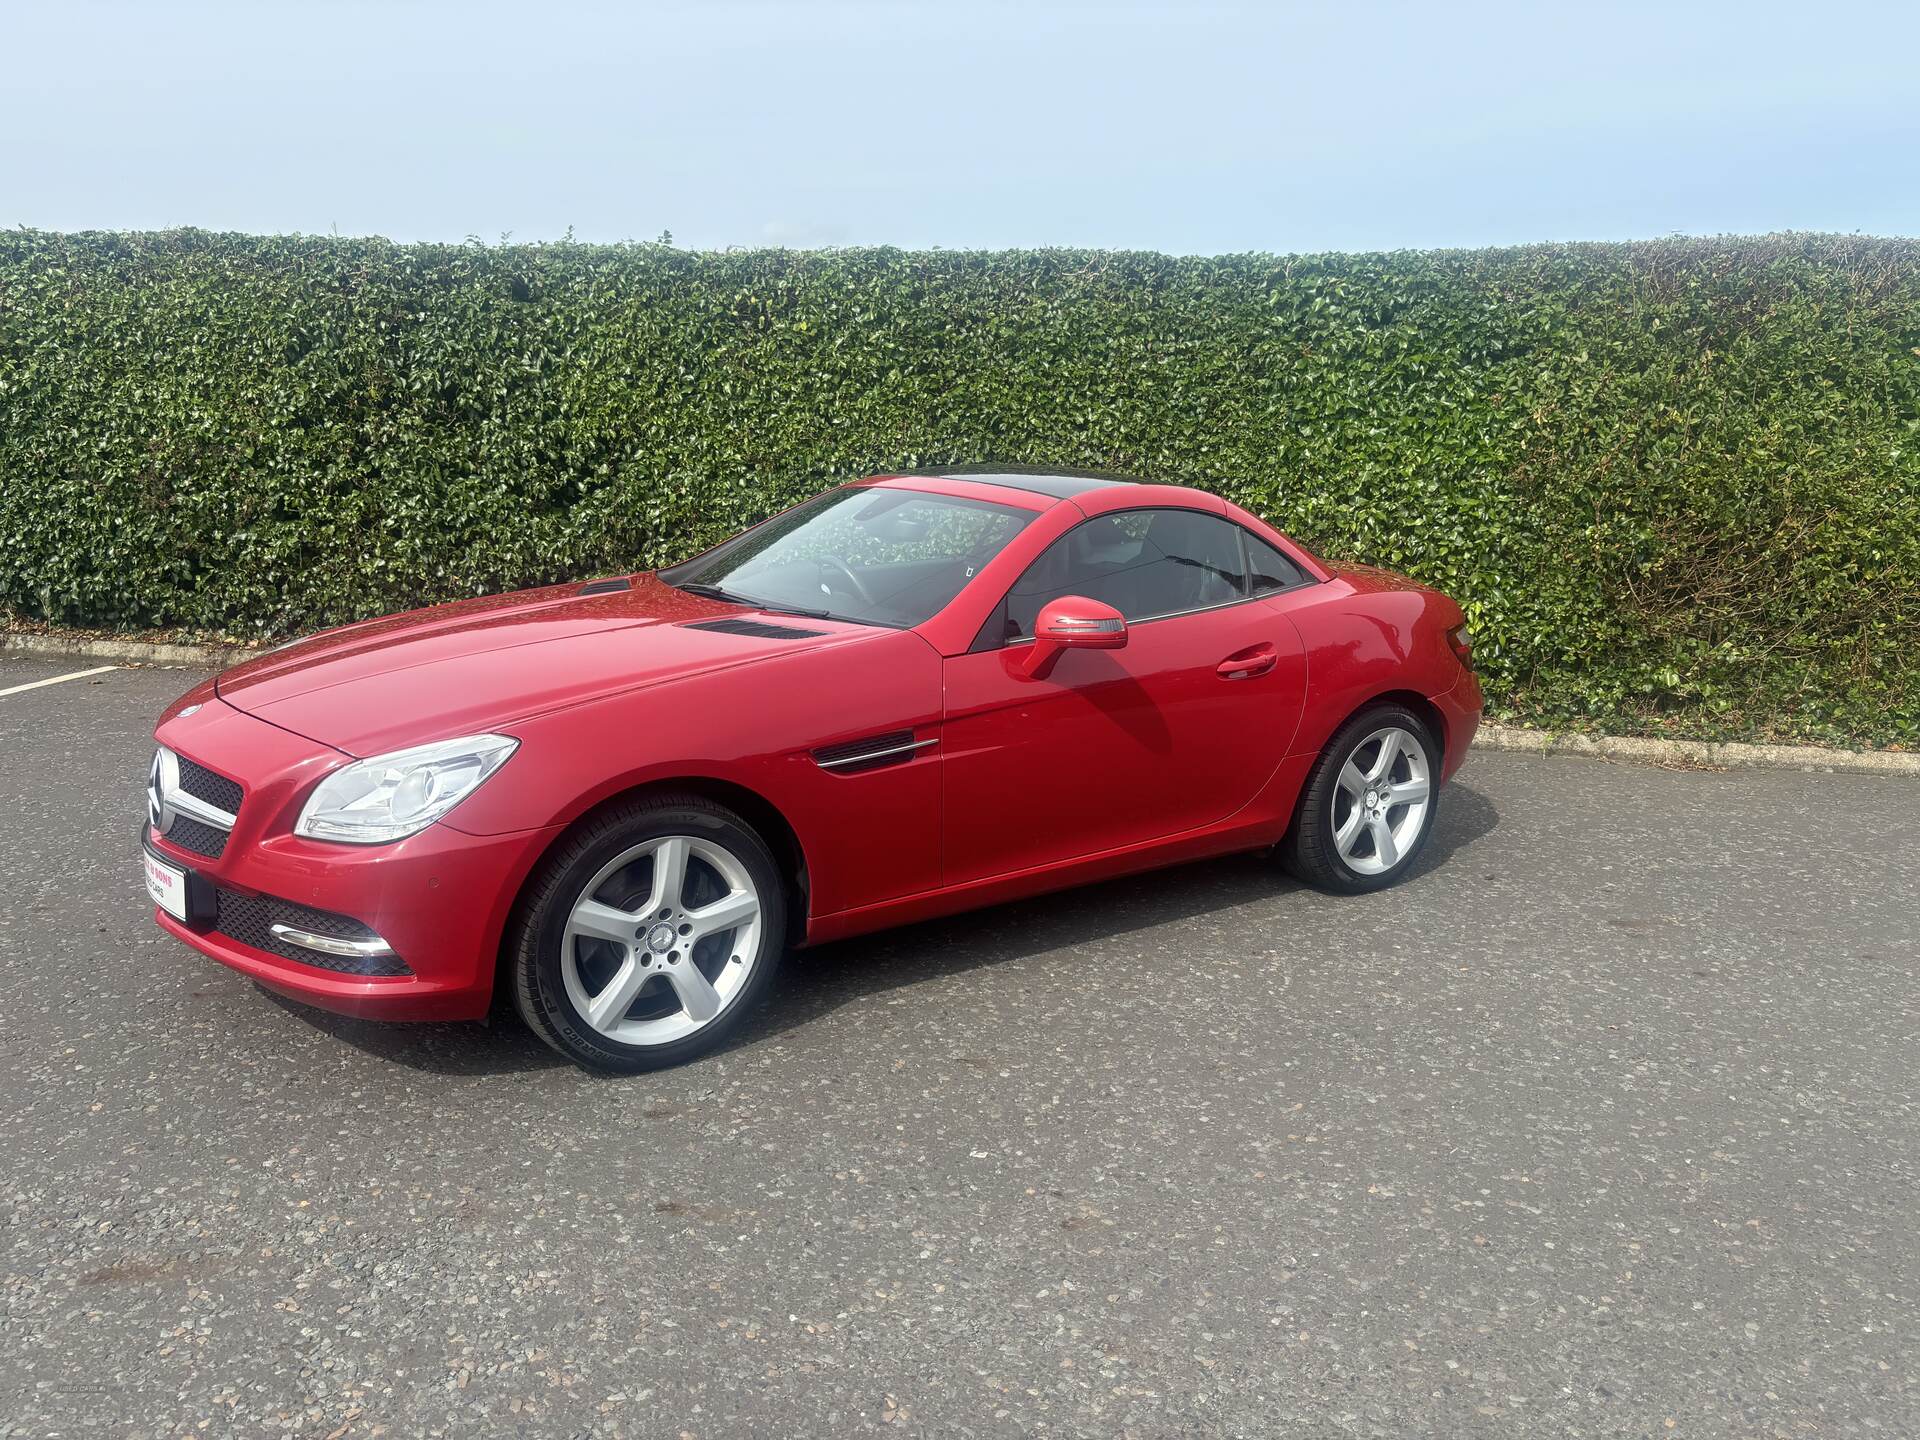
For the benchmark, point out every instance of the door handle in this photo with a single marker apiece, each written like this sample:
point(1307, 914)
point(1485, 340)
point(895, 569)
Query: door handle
point(1247, 664)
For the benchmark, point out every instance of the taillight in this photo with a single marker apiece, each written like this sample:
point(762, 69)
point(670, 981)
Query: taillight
point(1462, 644)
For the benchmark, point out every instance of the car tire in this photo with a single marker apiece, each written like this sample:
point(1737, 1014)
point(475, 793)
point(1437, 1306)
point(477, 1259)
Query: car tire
point(1334, 849)
point(610, 960)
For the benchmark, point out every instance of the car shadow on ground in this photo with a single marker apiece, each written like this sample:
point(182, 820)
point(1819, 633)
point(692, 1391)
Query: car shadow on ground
point(817, 982)
point(501, 1046)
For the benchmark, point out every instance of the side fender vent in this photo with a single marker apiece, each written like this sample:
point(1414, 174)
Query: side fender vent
point(851, 757)
point(759, 629)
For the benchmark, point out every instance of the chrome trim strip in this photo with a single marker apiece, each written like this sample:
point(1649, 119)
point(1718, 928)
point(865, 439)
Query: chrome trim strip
point(195, 808)
point(329, 945)
point(872, 755)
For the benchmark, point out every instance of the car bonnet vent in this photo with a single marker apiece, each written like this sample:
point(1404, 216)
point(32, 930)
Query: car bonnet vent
point(759, 629)
point(605, 587)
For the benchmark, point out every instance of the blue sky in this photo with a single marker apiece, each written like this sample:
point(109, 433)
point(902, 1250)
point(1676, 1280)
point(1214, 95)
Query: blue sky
point(1200, 127)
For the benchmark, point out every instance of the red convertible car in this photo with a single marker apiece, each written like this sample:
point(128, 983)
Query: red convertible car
point(624, 800)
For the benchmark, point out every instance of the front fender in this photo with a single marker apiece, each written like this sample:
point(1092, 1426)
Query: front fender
point(868, 836)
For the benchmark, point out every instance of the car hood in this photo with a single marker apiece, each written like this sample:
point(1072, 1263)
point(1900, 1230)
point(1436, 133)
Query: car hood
point(476, 665)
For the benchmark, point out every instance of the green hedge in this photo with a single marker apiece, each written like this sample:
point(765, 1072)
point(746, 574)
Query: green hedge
point(1676, 484)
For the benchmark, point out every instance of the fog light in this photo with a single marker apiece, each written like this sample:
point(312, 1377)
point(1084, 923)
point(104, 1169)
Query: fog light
point(370, 949)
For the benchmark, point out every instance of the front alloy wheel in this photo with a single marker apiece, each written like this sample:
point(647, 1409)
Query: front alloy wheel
point(648, 934)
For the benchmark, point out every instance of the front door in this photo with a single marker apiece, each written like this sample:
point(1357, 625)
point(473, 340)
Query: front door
point(1112, 748)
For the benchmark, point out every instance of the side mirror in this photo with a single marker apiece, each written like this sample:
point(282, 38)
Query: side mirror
point(1072, 622)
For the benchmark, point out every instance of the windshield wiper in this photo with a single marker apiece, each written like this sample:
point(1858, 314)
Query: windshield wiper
point(715, 592)
point(798, 610)
point(712, 592)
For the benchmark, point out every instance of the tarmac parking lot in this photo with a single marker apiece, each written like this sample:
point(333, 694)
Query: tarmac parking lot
point(1604, 1123)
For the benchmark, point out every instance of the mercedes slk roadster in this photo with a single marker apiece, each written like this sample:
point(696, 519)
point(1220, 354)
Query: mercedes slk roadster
point(621, 802)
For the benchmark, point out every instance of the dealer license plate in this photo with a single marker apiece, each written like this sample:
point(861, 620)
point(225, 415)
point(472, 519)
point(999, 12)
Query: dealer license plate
point(167, 884)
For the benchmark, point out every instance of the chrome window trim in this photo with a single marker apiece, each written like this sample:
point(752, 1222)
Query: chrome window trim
point(1196, 610)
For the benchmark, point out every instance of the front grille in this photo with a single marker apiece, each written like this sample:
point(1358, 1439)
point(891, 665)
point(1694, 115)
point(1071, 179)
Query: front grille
point(174, 784)
point(194, 835)
point(204, 784)
point(250, 918)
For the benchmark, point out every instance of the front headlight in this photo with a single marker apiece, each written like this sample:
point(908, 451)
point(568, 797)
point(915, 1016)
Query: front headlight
point(390, 797)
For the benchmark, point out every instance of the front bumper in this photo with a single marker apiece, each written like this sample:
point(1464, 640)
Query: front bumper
point(440, 899)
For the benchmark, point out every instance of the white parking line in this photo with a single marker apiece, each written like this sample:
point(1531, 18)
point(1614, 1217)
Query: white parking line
point(58, 679)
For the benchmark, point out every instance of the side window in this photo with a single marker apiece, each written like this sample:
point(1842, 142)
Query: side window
point(1271, 569)
point(1144, 563)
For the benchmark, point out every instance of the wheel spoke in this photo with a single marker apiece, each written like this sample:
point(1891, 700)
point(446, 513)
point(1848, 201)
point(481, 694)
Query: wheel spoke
point(1389, 752)
point(696, 993)
point(609, 1007)
point(669, 873)
point(1408, 792)
point(727, 913)
point(1384, 848)
point(604, 922)
point(1352, 781)
point(1345, 837)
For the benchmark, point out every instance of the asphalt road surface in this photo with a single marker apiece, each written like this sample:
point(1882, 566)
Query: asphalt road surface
point(1604, 1123)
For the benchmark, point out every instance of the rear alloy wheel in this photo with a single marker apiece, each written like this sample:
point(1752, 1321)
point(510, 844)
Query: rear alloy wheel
point(1369, 805)
point(648, 935)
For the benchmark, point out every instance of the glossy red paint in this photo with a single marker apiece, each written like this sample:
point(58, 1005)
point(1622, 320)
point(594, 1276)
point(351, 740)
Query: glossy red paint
point(1113, 748)
point(1191, 738)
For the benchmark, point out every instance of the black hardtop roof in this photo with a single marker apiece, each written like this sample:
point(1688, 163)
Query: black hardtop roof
point(1040, 479)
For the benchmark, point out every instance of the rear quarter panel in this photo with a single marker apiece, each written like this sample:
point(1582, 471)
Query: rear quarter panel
point(1368, 633)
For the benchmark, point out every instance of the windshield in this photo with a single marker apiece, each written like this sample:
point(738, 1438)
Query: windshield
point(878, 556)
